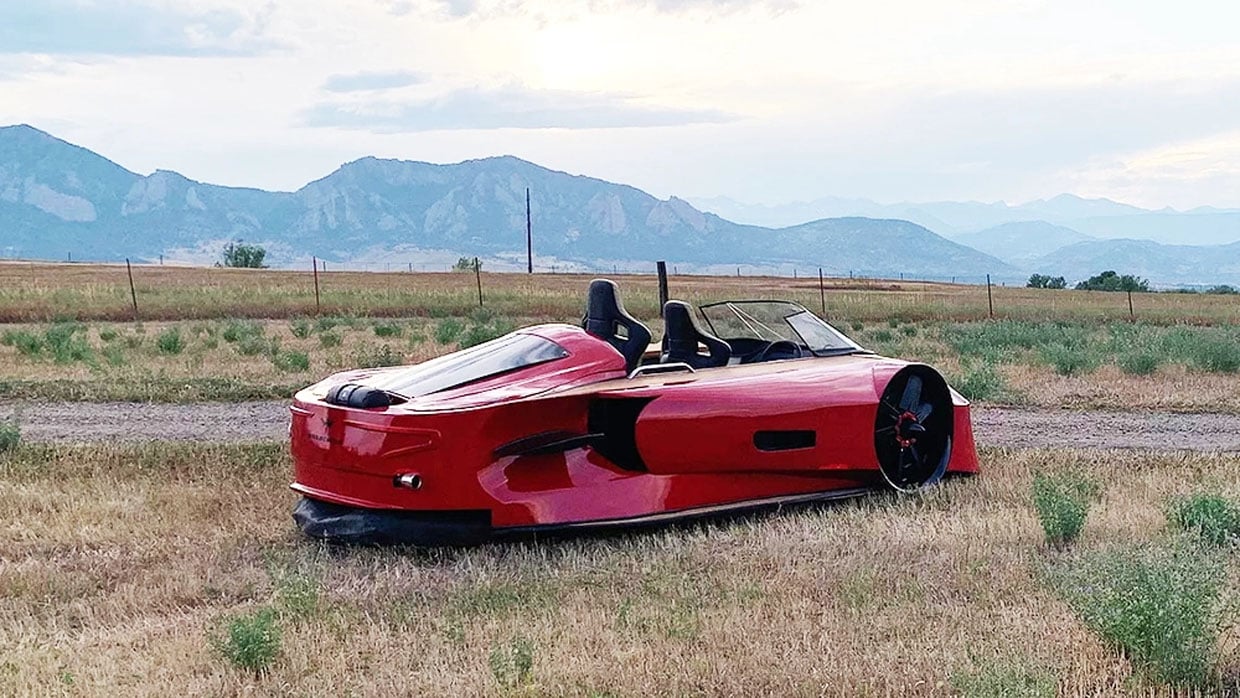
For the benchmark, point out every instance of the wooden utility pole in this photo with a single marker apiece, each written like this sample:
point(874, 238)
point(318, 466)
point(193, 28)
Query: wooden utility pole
point(822, 291)
point(318, 307)
point(478, 278)
point(529, 235)
point(133, 293)
point(990, 300)
point(662, 268)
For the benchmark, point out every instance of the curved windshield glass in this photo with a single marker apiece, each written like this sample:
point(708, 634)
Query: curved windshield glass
point(508, 353)
point(771, 321)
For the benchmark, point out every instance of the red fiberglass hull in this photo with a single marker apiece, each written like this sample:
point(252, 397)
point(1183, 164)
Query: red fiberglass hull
point(573, 442)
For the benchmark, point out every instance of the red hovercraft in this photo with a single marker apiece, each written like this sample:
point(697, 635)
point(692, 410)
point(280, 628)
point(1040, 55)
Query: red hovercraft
point(557, 428)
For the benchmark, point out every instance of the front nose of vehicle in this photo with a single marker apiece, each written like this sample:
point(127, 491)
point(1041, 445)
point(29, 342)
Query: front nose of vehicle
point(364, 458)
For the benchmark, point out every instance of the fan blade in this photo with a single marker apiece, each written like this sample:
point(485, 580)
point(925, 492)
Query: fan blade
point(895, 411)
point(924, 411)
point(912, 394)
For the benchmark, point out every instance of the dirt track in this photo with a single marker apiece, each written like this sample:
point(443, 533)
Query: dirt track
point(260, 421)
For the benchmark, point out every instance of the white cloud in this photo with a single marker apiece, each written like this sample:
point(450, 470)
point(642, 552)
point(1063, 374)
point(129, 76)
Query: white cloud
point(891, 99)
point(372, 81)
point(505, 107)
point(129, 28)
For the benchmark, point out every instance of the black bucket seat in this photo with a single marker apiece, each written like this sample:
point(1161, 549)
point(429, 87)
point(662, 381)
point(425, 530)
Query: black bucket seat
point(682, 335)
point(606, 319)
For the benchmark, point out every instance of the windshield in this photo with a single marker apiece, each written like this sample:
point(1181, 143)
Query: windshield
point(776, 320)
point(508, 353)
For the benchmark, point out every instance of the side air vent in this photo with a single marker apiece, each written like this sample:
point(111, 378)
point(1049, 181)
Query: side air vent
point(612, 423)
point(360, 396)
point(784, 440)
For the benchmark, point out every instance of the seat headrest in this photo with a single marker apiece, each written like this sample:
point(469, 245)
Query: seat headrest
point(605, 316)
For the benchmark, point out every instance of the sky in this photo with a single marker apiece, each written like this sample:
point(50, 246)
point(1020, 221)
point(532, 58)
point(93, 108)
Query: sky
point(762, 101)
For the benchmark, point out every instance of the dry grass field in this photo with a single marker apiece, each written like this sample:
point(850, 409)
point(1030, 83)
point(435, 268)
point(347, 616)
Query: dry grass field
point(120, 565)
point(45, 292)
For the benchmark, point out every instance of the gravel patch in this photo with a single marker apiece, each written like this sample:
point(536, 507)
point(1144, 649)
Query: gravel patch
point(84, 422)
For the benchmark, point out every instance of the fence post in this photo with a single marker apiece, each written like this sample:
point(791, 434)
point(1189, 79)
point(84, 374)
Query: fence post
point(822, 292)
point(133, 293)
point(478, 278)
point(1132, 316)
point(990, 300)
point(661, 266)
point(318, 306)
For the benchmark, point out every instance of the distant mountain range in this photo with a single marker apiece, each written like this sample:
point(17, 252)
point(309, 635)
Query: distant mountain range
point(1022, 243)
point(57, 200)
point(1065, 235)
point(1100, 218)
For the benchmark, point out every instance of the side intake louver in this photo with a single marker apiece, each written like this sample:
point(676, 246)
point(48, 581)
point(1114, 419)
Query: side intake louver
point(784, 440)
point(360, 396)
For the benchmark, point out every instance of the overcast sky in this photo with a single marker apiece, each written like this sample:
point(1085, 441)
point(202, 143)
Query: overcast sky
point(764, 101)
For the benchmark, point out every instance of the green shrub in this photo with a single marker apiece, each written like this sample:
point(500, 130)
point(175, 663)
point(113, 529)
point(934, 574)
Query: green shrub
point(108, 334)
point(1159, 606)
point(1216, 354)
point(255, 346)
point(883, 336)
point(387, 329)
point(114, 354)
point(26, 343)
point(893, 322)
point(448, 329)
point(170, 342)
point(1000, 339)
point(857, 325)
point(482, 315)
point(249, 641)
point(980, 381)
point(240, 330)
point(329, 339)
point(909, 330)
point(1062, 503)
point(291, 361)
point(1211, 517)
point(377, 357)
point(1005, 679)
point(512, 663)
point(298, 596)
point(10, 435)
point(1140, 362)
point(67, 343)
point(326, 324)
point(300, 327)
point(1069, 360)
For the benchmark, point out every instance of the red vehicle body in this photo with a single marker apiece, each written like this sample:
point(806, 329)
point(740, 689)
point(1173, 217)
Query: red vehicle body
point(584, 435)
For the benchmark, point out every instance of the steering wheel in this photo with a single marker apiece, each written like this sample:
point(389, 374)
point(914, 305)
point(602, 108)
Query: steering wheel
point(780, 345)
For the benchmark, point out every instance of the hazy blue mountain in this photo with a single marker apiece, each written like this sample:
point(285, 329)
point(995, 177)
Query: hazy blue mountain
point(57, 199)
point(1216, 227)
point(1163, 264)
point(1024, 242)
point(875, 247)
point(1101, 218)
